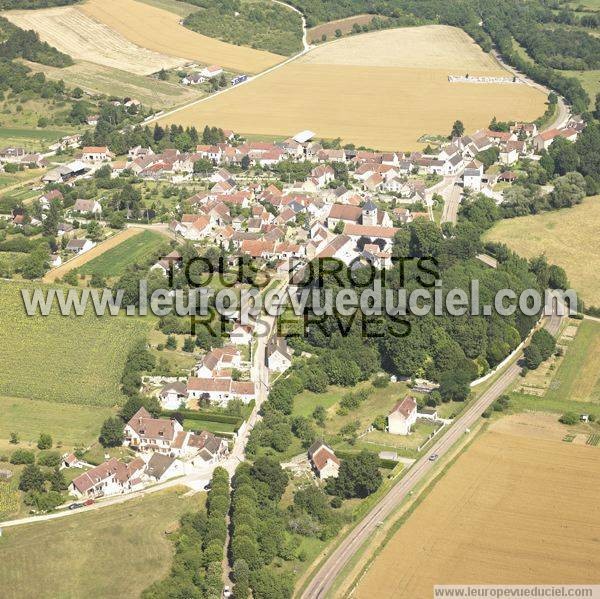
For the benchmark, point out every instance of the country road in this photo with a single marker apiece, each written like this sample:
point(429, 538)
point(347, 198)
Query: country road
point(323, 579)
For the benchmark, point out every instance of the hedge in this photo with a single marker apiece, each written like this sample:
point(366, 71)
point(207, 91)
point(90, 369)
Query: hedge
point(209, 416)
point(383, 463)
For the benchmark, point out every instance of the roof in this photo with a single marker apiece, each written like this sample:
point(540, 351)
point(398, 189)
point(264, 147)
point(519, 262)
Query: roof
point(158, 465)
point(152, 428)
point(320, 453)
point(345, 212)
point(113, 467)
point(405, 407)
point(303, 136)
point(95, 150)
point(369, 231)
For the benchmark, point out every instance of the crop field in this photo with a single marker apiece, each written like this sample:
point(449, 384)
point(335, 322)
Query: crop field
point(65, 359)
point(183, 9)
point(81, 36)
point(97, 251)
point(130, 250)
point(383, 89)
point(69, 425)
point(578, 376)
point(139, 23)
point(568, 237)
point(314, 34)
point(114, 552)
point(98, 79)
point(496, 518)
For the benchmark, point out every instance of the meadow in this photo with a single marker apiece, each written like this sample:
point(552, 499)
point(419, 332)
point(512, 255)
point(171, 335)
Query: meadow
point(69, 424)
point(100, 79)
point(315, 34)
point(139, 23)
point(117, 551)
point(134, 249)
point(568, 237)
point(78, 34)
point(494, 519)
point(64, 359)
point(381, 89)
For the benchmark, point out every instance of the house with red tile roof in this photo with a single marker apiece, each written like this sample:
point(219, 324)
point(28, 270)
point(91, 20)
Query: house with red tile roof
point(109, 478)
point(323, 460)
point(402, 416)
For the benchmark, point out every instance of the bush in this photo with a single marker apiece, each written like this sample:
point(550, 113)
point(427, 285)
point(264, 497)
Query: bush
point(22, 456)
point(45, 441)
point(50, 459)
point(569, 418)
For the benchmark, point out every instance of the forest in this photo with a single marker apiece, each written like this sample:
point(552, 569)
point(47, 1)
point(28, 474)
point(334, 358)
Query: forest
point(261, 25)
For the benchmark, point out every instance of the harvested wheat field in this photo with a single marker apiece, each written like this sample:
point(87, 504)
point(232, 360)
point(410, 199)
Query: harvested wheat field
point(383, 90)
point(59, 272)
point(513, 509)
point(568, 237)
point(160, 30)
point(84, 38)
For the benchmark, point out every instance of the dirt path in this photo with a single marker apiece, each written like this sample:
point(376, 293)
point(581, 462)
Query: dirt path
point(56, 273)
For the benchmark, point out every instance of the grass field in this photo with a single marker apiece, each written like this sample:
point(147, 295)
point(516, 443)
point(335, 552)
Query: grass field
point(95, 253)
point(568, 238)
point(511, 510)
point(83, 37)
point(139, 23)
point(208, 425)
point(69, 425)
point(382, 89)
point(74, 360)
point(114, 552)
point(578, 376)
point(183, 9)
point(133, 249)
point(590, 81)
point(99, 79)
point(314, 34)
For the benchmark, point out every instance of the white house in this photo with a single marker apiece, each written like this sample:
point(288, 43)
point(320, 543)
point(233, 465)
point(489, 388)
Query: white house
point(79, 246)
point(172, 395)
point(211, 71)
point(278, 356)
point(145, 433)
point(110, 478)
point(162, 467)
point(96, 153)
point(241, 334)
point(323, 460)
point(220, 390)
point(402, 416)
point(87, 207)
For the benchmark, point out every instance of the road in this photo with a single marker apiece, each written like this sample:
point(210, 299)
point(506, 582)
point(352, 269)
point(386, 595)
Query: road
point(306, 47)
point(451, 193)
point(323, 579)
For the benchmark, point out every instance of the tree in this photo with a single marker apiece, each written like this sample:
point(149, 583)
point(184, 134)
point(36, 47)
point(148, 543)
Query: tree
point(359, 476)
point(454, 385)
point(320, 415)
point(241, 577)
point(57, 480)
point(171, 342)
point(268, 470)
point(134, 403)
point(14, 439)
point(112, 434)
point(94, 231)
point(188, 344)
point(533, 357)
point(70, 278)
point(32, 479)
point(245, 162)
point(22, 456)
point(458, 129)
point(97, 281)
point(45, 441)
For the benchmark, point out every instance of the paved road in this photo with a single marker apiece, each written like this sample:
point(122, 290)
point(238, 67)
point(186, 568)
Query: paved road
point(325, 576)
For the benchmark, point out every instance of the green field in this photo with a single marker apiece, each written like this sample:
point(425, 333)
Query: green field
point(75, 360)
point(208, 425)
point(307, 401)
point(568, 237)
point(117, 551)
point(69, 425)
point(590, 81)
point(183, 9)
point(578, 376)
point(136, 249)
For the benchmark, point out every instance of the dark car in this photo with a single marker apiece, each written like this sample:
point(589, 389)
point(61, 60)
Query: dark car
point(75, 506)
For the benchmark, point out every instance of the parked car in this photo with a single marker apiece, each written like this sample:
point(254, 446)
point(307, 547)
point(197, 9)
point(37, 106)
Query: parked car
point(75, 506)
point(88, 502)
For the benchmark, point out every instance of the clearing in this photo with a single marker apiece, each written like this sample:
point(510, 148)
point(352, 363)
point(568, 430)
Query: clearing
point(72, 31)
point(139, 23)
point(65, 359)
point(568, 237)
point(97, 251)
point(130, 250)
point(494, 518)
point(117, 551)
point(315, 34)
point(383, 89)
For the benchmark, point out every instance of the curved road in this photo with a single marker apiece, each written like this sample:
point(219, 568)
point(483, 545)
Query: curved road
point(327, 573)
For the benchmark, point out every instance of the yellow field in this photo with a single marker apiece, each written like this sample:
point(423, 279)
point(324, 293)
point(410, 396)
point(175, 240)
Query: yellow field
point(83, 38)
point(382, 89)
point(513, 510)
point(568, 237)
point(160, 30)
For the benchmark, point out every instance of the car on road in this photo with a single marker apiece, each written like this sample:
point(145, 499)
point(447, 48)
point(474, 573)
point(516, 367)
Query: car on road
point(88, 502)
point(75, 506)
point(227, 592)
point(433, 457)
